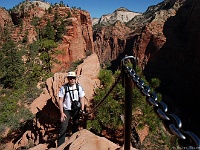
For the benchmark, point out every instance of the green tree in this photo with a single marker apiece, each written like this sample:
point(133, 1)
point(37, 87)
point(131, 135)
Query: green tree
point(155, 82)
point(108, 114)
point(6, 34)
point(46, 53)
point(48, 31)
point(33, 67)
point(56, 16)
point(62, 4)
point(50, 10)
point(11, 64)
point(60, 31)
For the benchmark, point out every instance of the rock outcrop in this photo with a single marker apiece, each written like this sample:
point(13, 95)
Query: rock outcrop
point(110, 42)
point(77, 42)
point(84, 140)
point(4, 18)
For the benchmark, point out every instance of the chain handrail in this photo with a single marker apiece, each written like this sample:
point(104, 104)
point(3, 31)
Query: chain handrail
point(172, 122)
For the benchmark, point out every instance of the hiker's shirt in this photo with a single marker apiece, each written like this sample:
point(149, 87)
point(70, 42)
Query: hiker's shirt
point(74, 95)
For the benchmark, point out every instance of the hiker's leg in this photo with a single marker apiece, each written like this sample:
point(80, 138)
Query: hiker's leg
point(63, 128)
point(75, 121)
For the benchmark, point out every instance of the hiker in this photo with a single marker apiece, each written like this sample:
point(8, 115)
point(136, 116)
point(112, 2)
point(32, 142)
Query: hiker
point(71, 105)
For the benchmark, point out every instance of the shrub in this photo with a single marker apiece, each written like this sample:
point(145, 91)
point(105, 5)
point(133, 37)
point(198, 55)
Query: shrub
point(75, 64)
point(155, 82)
point(108, 114)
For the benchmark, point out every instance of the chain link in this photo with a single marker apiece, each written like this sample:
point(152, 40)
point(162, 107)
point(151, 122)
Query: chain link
point(172, 122)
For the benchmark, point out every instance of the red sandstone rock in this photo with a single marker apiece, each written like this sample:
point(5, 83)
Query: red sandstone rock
point(85, 140)
point(4, 19)
point(109, 42)
point(88, 75)
point(39, 147)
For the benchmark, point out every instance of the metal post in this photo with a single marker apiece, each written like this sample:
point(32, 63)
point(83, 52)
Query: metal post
point(128, 112)
point(128, 84)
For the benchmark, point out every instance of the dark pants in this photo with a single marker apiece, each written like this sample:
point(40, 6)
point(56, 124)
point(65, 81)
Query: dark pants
point(64, 125)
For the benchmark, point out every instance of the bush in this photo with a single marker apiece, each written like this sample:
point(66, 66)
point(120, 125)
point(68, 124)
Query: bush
point(155, 83)
point(12, 110)
point(108, 114)
point(105, 76)
point(75, 64)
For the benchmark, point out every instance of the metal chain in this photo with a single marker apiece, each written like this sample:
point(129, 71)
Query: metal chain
point(172, 122)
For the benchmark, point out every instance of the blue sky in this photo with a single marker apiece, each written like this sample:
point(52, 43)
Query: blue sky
point(97, 8)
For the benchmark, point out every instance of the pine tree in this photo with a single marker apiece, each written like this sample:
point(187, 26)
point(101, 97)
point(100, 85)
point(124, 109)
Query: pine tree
point(60, 31)
point(11, 64)
point(46, 52)
point(108, 114)
point(49, 31)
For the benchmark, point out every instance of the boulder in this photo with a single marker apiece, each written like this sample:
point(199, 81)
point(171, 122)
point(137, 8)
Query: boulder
point(86, 140)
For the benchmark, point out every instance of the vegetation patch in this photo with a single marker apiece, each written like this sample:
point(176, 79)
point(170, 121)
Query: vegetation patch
point(107, 115)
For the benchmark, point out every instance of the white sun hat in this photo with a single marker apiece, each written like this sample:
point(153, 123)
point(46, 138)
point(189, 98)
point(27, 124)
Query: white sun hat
point(71, 74)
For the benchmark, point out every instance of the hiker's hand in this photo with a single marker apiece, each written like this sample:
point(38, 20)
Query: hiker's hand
point(63, 117)
point(81, 112)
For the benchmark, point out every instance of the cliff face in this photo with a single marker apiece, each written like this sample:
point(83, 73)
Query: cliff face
point(142, 36)
point(110, 42)
point(33, 16)
point(168, 49)
point(4, 20)
point(77, 41)
point(179, 58)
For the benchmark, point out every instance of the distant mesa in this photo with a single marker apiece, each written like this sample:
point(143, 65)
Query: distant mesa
point(121, 14)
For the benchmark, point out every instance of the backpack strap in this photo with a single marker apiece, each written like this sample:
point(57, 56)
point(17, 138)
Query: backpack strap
point(66, 87)
point(77, 88)
point(66, 90)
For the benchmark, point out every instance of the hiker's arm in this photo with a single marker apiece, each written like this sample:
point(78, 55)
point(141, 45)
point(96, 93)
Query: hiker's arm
point(62, 114)
point(82, 100)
